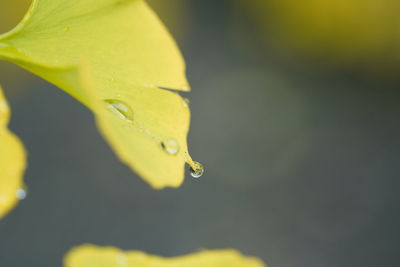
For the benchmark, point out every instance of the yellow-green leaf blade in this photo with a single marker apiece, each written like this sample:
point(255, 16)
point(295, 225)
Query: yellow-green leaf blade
point(128, 56)
point(146, 127)
point(157, 116)
point(123, 39)
point(93, 256)
point(12, 162)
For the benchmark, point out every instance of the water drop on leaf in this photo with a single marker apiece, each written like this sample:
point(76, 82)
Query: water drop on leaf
point(21, 193)
point(186, 102)
point(170, 146)
point(120, 108)
point(197, 170)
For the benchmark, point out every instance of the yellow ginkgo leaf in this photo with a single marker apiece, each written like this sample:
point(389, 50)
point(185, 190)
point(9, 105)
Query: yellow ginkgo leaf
point(11, 12)
point(361, 32)
point(93, 256)
point(131, 59)
point(12, 162)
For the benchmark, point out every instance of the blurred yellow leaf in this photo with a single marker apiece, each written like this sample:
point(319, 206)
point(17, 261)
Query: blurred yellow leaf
point(93, 256)
point(11, 13)
point(175, 14)
point(16, 79)
point(12, 162)
point(130, 58)
point(341, 31)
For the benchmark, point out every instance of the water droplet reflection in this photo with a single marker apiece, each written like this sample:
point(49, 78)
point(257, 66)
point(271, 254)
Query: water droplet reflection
point(197, 170)
point(171, 146)
point(120, 108)
point(186, 102)
point(21, 193)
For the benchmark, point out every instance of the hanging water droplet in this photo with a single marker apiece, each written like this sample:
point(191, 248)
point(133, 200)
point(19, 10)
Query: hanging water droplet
point(120, 108)
point(21, 193)
point(171, 146)
point(197, 170)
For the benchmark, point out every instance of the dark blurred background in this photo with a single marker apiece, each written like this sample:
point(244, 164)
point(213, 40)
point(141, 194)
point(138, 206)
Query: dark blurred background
point(294, 114)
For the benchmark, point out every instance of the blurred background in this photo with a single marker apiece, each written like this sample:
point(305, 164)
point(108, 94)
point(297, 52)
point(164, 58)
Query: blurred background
point(295, 115)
